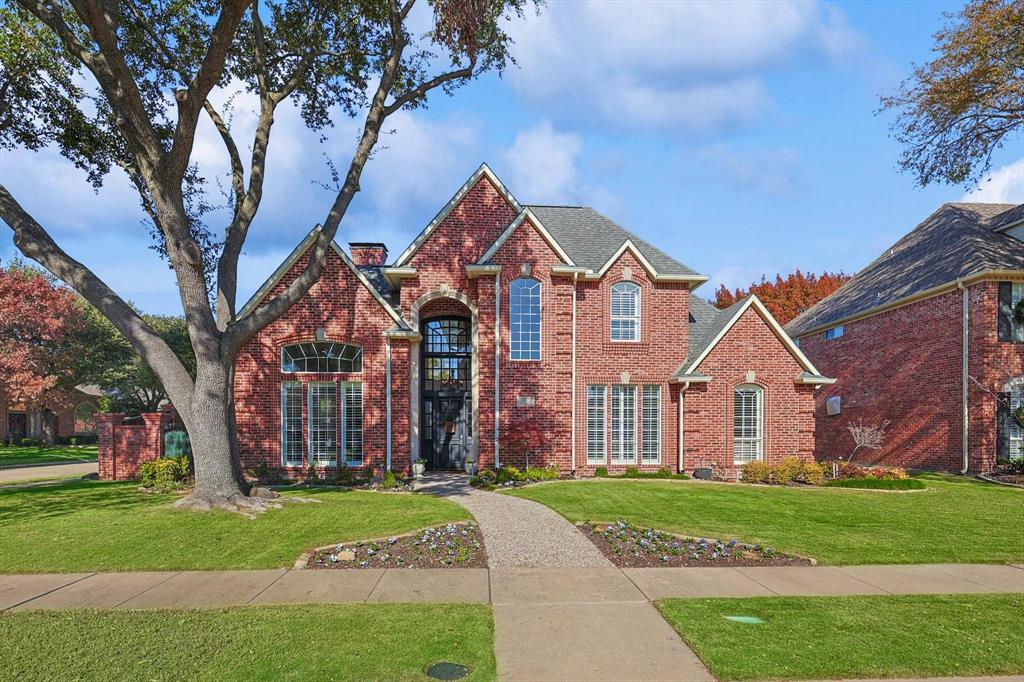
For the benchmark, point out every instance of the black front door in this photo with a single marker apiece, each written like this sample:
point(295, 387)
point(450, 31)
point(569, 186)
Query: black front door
point(447, 428)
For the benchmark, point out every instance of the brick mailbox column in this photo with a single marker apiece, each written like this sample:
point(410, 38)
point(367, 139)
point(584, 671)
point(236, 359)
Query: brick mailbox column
point(106, 422)
point(155, 423)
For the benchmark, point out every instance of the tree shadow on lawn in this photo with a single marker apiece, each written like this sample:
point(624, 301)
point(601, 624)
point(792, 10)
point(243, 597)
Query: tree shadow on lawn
point(28, 504)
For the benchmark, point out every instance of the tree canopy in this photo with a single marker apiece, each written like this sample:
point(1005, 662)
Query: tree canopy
point(955, 111)
point(785, 298)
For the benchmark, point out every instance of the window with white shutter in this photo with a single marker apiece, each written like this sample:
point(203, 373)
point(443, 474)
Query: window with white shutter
point(291, 424)
point(625, 312)
point(623, 424)
point(352, 432)
point(323, 423)
point(597, 452)
point(748, 424)
point(650, 441)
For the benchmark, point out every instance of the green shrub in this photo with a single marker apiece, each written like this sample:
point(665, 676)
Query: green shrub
point(549, 473)
point(389, 480)
point(601, 472)
point(344, 475)
point(813, 473)
point(31, 442)
point(631, 471)
point(756, 472)
point(166, 473)
point(74, 441)
point(787, 470)
point(508, 474)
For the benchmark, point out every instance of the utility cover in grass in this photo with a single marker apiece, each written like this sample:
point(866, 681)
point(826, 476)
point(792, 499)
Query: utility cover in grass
point(447, 671)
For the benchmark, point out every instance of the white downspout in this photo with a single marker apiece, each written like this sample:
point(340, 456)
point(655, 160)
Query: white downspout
point(575, 277)
point(387, 420)
point(682, 424)
point(965, 377)
point(497, 369)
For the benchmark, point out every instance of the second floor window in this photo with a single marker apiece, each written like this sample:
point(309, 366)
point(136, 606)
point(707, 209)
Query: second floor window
point(625, 312)
point(524, 319)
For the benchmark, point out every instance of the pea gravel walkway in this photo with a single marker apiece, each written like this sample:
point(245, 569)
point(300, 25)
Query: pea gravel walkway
point(517, 532)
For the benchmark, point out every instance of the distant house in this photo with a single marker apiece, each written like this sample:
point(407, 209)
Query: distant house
point(47, 423)
point(503, 320)
point(927, 336)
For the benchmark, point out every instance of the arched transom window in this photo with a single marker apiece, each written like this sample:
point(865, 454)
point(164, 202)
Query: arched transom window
point(322, 357)
point(748, 423)
point(524, 318)
point(625, 312)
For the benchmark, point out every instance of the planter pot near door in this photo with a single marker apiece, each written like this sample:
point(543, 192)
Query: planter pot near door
point(418, 468)
point(471, 467)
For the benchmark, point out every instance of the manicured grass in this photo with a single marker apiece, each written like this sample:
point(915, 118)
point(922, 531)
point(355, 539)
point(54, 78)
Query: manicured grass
point(46, 454)
point(335, 642)
point(878, 483)
point(955, 520)
point(849, 637)
point(93, 526)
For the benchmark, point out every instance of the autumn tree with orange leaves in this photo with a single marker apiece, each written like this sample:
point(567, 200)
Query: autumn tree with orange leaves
point(785, 298)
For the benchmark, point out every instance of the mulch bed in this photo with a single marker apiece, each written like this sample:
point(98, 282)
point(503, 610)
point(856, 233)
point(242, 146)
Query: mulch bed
point(456, 545)
point(628, 546)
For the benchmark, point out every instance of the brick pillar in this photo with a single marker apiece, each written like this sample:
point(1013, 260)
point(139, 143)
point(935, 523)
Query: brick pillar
point(155, 422)
point(106, 422)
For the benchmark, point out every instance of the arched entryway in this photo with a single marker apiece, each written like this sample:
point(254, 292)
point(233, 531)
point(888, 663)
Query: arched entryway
point(446, 396)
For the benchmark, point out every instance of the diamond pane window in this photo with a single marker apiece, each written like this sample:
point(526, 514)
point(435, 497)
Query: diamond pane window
point(524, 318)
point(625, 312)
point(748, 424)
point(322, 357)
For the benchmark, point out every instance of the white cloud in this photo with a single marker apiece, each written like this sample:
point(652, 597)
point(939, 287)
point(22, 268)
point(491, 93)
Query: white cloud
point(1004, 185)
point(694, 65)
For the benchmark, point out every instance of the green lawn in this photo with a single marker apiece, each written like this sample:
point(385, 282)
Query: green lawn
point(323, 642)
point(849, 637)
point(46, 454)
point(93, 526)
point(954, 520)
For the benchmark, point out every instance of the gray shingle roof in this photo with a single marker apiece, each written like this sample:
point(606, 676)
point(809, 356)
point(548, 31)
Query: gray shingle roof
point(379, 282)
point(706, 322)
point(955, 241)
point(590, 238)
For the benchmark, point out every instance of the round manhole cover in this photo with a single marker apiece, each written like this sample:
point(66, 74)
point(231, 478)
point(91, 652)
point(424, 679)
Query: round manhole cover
point(447, 671)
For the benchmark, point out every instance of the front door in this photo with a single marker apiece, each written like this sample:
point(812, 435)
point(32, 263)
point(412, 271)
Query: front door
point(447, 428)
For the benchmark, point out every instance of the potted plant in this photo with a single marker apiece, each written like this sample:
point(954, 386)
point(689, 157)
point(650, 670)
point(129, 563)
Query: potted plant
point(418, 467)
point(471, 467)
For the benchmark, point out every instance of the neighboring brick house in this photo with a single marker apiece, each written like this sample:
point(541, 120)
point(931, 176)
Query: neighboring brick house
point(73, 416)
point(502, 320)
point(926, 336)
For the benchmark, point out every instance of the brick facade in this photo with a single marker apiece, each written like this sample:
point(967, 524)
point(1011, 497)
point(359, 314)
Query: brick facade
point(124, 447)
point(905, 365)
point(533, 394)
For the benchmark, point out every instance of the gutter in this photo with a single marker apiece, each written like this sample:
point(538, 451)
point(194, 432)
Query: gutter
point(965, 376)
point(682, 423)
point(497, 367)
point(575, 277)
point(387, 342)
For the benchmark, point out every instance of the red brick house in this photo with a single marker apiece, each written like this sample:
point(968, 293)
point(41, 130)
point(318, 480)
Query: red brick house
point(927, 337)
point(502, 320)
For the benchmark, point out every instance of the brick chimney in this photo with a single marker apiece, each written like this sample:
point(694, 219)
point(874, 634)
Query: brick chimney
point(368, 253)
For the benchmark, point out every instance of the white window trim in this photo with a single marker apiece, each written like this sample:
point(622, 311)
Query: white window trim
point(604, 425)
point(833, 333)
point(540, 313)
point(638, 317)
point(620, 437)
point(657, 424)
point(1016, 295)
point(313, 461)
point(284, 431)
point(760, 424)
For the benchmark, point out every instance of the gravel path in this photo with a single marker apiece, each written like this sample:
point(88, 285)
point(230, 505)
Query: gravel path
point(517, 532)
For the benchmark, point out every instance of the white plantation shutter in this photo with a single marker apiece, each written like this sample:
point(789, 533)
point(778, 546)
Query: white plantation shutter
point(323, 423)
point(353, 424)
point(650, 447)
point(1015, 433)
point(625, 312)
point(624, 424)
point(596, 446)
point(748, 424)
point(291, 424)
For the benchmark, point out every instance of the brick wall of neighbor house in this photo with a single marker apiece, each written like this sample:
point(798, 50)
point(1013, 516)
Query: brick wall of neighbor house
point(905, 365)
point(750, 346)
point(124, 447)
point(664, 311)
point(348, 313)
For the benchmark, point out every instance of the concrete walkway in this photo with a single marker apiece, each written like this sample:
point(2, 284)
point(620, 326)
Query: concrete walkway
point(41, 471)
point(517, 532)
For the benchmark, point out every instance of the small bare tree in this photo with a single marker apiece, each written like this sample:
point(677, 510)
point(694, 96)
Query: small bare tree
point(870, 436)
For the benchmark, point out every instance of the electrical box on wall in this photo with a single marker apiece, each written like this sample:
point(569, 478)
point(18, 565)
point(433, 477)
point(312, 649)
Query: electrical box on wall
point(833, 405)
point(526, 401)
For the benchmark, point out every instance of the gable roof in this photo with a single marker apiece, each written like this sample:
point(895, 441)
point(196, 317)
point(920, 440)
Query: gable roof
point(483, 171)
point(525, 215)
point(956, 241)
point(709, 325)
point(361, 274)
point(592, 241)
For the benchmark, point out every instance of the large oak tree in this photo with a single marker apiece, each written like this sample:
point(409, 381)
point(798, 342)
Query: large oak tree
point(124, 83)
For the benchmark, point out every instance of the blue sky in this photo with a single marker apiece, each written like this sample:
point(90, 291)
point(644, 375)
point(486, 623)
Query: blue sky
point(740, 138)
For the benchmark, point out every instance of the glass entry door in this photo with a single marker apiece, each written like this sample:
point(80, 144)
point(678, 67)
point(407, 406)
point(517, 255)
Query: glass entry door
point(447, 428)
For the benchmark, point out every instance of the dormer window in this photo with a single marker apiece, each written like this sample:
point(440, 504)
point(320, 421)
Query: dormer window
point(834, 332)
point(625, 312)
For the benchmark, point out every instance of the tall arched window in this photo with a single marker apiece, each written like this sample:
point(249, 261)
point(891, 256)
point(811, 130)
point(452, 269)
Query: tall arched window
point(524, 318)
point(625, 312)
point(747, 424)
point(321, 357)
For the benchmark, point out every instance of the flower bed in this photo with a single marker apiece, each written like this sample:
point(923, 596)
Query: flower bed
point(628, 546)
point(457, 545)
